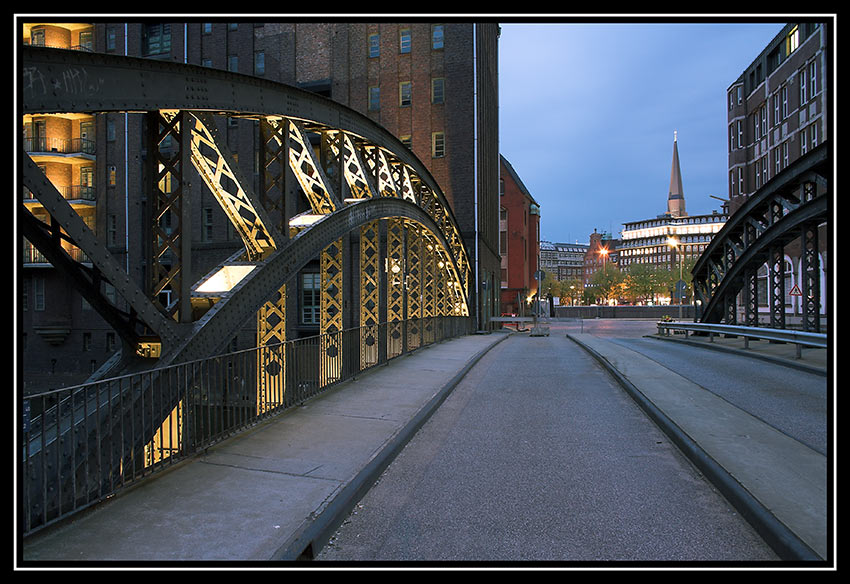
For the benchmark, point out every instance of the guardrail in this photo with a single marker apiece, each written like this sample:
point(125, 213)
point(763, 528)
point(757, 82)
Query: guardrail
point(799, 338)
point(82, 444)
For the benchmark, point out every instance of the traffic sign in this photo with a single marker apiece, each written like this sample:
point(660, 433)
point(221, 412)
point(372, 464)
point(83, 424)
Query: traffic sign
point(795, 291)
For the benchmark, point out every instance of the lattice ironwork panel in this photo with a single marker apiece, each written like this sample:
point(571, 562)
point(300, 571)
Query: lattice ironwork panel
point(273, 170)
point(370, 293)
point(355, 175)
point(218, 169)
point(395, 286)
point(309, 172)
point(413, 285)
point(330, 317)
point(271, 364)
point(166, 263)
point(429, 302)
point(776, 277)
point(810, 277)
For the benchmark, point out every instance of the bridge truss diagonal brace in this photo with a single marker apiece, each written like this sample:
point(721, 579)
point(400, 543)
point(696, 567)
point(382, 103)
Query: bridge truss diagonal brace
point(221, 174)
point(101, 258)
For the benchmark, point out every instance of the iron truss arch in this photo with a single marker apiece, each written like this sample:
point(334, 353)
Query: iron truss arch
point(791, 206)
point(376, 178)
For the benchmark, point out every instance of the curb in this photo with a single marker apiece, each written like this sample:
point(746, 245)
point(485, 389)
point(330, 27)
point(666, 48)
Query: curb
point(778, 536)
point(316, 531)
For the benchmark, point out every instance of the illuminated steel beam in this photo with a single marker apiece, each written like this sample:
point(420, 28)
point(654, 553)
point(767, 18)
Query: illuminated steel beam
point(330, 314)
point(413, 284)
point(222, 176)
point(370, 297)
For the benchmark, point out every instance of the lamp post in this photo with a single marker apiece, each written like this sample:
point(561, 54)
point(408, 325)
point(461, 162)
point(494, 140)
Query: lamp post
point(673, 243)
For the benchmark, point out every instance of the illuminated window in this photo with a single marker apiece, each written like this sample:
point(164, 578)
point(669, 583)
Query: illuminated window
point(792, 41)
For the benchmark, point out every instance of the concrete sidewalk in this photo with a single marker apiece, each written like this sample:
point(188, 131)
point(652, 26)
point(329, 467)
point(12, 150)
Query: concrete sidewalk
point(275, 492)
point(777, 483)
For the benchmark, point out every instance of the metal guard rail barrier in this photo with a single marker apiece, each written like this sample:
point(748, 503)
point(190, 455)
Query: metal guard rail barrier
point(84, 443)
point(800, 338)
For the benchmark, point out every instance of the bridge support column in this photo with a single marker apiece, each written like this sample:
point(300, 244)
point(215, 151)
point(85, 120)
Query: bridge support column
point(810, 277)
point(751, 297)
point(395, 269)
point(776, 276)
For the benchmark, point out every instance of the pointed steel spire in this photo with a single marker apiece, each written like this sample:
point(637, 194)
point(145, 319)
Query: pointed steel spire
point(676, 195)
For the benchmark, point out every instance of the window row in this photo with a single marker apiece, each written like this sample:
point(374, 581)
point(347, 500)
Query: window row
point(774, 111)
point(405, 40)
point(405, 94)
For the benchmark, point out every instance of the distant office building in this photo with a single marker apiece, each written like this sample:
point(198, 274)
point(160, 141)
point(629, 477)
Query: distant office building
point(674, 235)
point(519, 234)
point(565, 261)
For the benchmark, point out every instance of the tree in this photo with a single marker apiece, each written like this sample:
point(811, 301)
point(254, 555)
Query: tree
point(607, 281)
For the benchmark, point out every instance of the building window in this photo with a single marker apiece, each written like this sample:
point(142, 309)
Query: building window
point(232, 63)
point(404, 40)
point(437, 32)
point(438, 90)
point(792, 41)
point(86, 341)
point(438, 145)
point(206, 62)
point(206, 28)
point(803, 85)
point(259, 63)
point(374, 45)
point(374, 98)
point(156, 39)
point(110, 39)
point(310, 298)
point(784, 97)
point(813, 79)
point(407, 140)
point(404, 93)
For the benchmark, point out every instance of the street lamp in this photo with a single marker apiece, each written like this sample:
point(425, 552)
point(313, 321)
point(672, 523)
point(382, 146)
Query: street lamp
point(672, 242)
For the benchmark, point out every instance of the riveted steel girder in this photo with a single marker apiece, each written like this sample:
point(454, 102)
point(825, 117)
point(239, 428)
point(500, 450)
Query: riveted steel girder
point(769, 220)
point(58, 81)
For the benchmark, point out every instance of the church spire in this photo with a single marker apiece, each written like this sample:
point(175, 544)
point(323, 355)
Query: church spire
point(676, 196)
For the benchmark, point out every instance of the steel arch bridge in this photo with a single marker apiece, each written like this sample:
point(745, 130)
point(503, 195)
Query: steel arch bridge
point(364, 176)
point(376, 222)
point(792, 206)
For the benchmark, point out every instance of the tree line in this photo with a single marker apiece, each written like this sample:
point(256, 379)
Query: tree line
point(641, 284)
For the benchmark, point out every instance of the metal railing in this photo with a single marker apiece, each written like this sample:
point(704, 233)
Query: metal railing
point(82, 444)
point(60, 145)
point(799, 338)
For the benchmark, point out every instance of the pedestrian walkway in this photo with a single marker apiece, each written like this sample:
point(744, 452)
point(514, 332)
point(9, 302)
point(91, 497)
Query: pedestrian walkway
point(811, 359)
point(779, 484)
point(278, 491)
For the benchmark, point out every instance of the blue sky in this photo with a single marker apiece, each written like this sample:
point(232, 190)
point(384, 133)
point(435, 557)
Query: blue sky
point(587, 113)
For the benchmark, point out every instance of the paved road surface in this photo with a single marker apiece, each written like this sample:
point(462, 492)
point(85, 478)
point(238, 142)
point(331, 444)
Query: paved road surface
point(538, 455)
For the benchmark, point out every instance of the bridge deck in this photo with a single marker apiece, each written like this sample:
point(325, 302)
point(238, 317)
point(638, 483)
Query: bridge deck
point(277, 490)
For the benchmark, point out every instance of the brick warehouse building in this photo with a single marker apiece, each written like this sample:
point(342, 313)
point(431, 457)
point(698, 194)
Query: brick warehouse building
point(434, 85)
point(519, 241)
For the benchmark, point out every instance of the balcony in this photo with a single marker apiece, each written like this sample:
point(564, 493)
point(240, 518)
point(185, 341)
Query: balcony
point(63, 146)
point(72, 194)
point(34, 258)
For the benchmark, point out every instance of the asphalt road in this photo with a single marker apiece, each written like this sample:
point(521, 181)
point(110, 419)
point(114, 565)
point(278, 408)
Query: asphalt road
point(539, 456)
